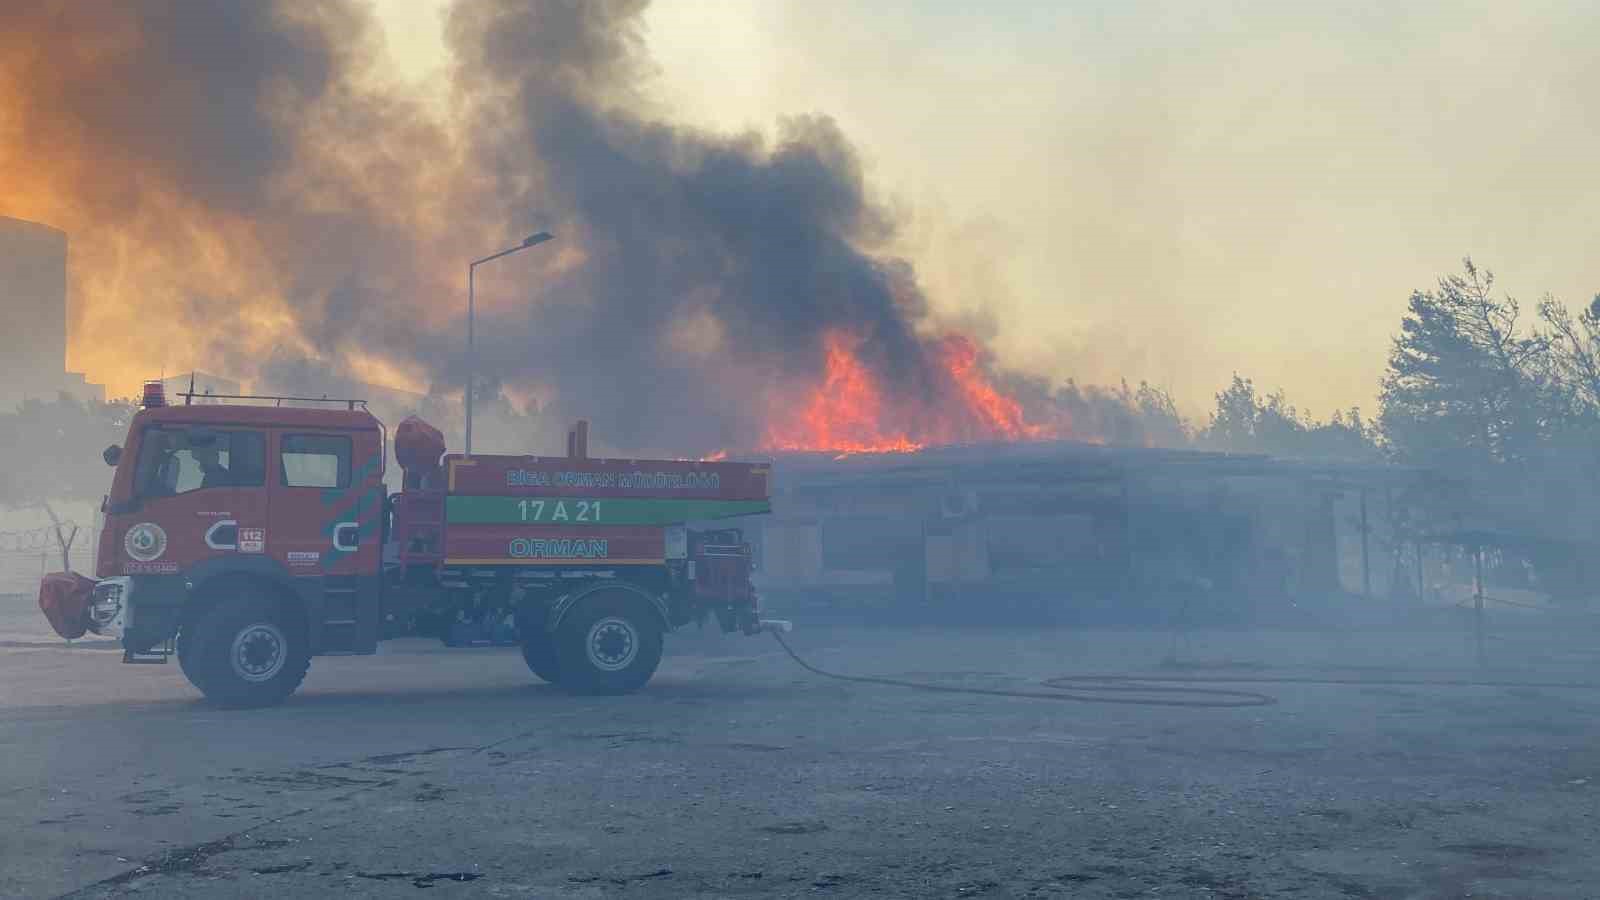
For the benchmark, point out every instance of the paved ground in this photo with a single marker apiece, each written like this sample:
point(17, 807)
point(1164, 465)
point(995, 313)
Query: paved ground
point(737, 774)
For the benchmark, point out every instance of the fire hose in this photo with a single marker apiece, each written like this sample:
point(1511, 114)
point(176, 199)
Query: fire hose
point(1178, 689)
point(1074, 688)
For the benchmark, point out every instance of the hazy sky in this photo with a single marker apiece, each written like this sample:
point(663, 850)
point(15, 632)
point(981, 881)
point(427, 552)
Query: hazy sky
point(1173, 191)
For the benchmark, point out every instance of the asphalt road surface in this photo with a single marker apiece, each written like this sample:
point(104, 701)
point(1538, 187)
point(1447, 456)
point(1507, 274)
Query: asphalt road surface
point(738, 774)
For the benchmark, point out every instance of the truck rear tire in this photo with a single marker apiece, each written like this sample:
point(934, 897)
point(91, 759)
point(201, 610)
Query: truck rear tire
point(609, 644)
point(539, 652)
point(247, 652)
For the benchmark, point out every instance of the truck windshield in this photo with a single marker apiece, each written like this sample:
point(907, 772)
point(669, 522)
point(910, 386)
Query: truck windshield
point(176, 460)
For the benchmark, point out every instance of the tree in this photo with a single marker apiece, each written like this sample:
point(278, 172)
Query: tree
point(1158, 415)
point(1246, 422)
point(1574, 365)
point(1464, 387)
point(1145, 416)
point(1512, 415)
point(1121, 416)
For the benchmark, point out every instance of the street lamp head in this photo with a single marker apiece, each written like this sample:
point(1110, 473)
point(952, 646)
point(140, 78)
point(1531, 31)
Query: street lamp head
point(472, 268)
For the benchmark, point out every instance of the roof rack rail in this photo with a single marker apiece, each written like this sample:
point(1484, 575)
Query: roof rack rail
point(190, 395)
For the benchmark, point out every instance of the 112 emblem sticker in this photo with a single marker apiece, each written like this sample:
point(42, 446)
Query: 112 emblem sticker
point(252, 540)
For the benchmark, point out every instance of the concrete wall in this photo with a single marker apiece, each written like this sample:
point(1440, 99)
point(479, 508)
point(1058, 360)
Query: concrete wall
point(1255, 541)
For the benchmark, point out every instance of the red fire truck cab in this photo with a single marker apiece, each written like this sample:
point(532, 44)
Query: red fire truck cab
point(246, 539)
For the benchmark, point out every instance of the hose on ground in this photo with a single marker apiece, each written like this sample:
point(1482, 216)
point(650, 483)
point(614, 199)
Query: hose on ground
point(1171, 690)
point(1101, 686)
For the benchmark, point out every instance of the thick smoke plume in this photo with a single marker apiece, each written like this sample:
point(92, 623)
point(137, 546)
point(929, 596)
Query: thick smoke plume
point(248, 193)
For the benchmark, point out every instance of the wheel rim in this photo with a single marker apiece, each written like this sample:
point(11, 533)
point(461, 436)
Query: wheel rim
point(613, 644)
point(259, 652)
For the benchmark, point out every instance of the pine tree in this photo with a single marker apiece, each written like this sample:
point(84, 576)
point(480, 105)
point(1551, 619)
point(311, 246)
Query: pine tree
point(1464, 388)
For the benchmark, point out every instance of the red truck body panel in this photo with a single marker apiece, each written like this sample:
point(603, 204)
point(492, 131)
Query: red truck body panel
point(565, 477)
point(529, 510)
point(554, 545)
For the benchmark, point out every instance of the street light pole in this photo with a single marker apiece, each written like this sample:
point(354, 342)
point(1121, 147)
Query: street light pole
point(472, 368)
point(472, 359)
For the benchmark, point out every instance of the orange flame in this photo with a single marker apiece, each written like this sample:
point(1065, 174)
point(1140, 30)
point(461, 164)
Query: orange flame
point(850, 412)
point(997, 414)
point(845, 413)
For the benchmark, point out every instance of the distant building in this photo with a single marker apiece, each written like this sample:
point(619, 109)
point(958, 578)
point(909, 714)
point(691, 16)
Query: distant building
point(392, 403)
point(33, 296)
point(76, 384)
point(385, 402)
point(33, 293)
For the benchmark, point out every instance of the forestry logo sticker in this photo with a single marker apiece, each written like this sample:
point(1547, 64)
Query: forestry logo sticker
point(145, 542)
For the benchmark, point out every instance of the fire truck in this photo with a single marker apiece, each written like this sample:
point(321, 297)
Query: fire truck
point(246, 535)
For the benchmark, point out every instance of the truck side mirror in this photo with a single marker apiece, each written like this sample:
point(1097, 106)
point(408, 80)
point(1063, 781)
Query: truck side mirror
point(112, 455)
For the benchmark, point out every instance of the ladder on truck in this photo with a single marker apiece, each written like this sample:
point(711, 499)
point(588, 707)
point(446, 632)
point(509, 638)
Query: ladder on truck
point(418, 528)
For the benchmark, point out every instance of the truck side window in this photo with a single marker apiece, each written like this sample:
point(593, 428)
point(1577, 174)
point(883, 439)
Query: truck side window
point(175, 460)
point(315, 461)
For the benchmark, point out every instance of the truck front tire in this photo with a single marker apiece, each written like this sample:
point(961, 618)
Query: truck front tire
point(610, 643)
point(246, 652)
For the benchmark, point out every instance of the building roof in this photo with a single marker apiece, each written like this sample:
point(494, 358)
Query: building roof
point(1057, 461)
point(10, 226)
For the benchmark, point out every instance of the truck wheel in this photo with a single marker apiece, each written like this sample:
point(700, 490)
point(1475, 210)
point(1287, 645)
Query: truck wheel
point(186, 657)
point(539, 652)
point(609, 644)
point(246, 653)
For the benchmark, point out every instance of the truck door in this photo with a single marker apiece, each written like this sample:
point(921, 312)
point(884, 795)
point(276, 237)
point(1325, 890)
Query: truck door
point(199, 494)
point(325, 519)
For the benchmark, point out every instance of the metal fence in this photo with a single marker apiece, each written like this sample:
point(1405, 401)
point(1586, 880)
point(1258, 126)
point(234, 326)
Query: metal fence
point(26, 555)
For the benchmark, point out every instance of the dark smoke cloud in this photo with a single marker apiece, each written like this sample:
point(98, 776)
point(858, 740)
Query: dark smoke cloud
point(207, 156)
point(692, 285)
point(771, 243)
point(180, 92)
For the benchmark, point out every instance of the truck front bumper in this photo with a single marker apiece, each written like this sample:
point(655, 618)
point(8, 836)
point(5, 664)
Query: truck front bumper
point(134, 609)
